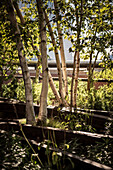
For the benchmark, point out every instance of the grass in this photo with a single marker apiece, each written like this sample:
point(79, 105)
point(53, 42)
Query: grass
point(22, 121)
point(50, 123)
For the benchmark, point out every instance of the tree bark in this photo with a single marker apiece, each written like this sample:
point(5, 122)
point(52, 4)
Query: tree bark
point(72, 81)
point(55, 92)
point(32, 42)
point(64, 71)
point(76, 78)
point(19, 12)
point(79, 25)
point(89, 72)
point(57, 61)
point(39, 57)
point(30, 115)
point(43, 97)
point(95, 62)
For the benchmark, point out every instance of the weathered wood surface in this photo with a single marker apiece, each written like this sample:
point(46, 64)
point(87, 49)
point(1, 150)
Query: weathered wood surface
point(96, 118)
point(50, 108)
point(39, 133)
point(79, 162)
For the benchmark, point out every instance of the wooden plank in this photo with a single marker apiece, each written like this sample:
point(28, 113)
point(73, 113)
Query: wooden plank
point(96, 119)
point(39, 133)
point(78, 162)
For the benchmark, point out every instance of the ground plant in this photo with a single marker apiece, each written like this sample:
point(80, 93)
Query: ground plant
point(17, 155)
point(100, 99)
point(101, 152)
point(13, 154)
point(72, 121)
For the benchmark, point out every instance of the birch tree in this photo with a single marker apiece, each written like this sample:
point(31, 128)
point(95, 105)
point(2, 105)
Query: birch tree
point(90, 25)
point(35, 48)
point(98, 33)
point(43, 97)
point(57, 61)
point(87, 24)
point(79, 26)
point(30, 114)
point(62, 53)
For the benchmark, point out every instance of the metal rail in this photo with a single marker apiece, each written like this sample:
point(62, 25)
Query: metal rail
point(69, 64)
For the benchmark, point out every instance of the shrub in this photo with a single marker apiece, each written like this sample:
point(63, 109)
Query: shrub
point(101, 98)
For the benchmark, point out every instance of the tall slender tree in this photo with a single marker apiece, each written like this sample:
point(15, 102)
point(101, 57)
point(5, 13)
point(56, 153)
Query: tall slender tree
point(62, 53)
point(30, 114)
point(35, 48)
point(57, 61)
point(43, 97)
point(82, 18)
point(51, 82)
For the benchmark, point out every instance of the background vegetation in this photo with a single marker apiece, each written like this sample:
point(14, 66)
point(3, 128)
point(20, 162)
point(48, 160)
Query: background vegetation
point(100, 99)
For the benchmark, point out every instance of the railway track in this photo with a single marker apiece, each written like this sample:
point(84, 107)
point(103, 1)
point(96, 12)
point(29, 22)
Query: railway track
point(37, 134)
point(96, 118)
point(11, 111)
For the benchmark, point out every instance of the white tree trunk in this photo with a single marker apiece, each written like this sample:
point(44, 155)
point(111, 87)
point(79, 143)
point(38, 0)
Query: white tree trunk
point(72, 82)
point(61, 91)
point(30, 115)
point(64, 71)
point(43, 97)
point(32, 42)
point(52, 85)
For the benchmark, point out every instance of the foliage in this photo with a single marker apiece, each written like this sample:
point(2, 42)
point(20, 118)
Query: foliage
point(55, 159)
point(8, 52)
point(101, 99)
point(16, 90)
point(106, 74)
point(76, 121)
point(29, 29)
point(56, 123)
point(20, 90)
point(18, 155)
point(101, 152)
point(14, 155)
point(95, 27)
point(9, 90)
point(96, 24)
point(37, 90)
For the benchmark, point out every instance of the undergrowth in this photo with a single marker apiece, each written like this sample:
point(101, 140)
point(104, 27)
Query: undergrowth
point(100, 99)
point(16, 155)
point(101, 152)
